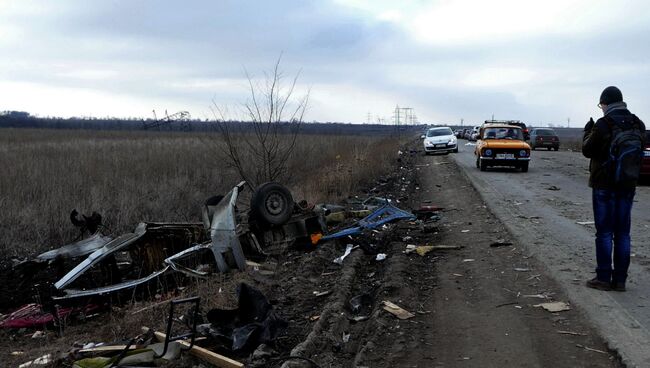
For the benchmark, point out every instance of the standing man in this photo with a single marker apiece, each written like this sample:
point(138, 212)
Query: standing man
point(613, 177)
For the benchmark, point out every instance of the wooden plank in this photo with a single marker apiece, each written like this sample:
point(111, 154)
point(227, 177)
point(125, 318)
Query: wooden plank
point(396, 310)
point(202, 353)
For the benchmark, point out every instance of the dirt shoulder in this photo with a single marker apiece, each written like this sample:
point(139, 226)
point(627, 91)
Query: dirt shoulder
point(475, 306)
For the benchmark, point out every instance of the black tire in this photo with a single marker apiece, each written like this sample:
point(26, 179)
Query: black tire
point(478, 163)
point(548, 148)
point(533, 147)
point(272, 203)
point(456, 150)
point(556, 148)
point(524, 167)
point(483, 165)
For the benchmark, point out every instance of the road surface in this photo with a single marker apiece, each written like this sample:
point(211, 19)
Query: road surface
point(543, 209)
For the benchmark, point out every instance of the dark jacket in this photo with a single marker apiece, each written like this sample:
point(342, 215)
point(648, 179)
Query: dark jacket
point(595, 145)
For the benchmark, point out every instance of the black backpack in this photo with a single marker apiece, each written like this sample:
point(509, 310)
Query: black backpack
point(625, 150)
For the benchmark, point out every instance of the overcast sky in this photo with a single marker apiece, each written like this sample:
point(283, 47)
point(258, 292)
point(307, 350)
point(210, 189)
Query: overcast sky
point(537, 61)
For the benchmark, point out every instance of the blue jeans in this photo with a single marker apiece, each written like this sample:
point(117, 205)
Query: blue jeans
point(612, 216)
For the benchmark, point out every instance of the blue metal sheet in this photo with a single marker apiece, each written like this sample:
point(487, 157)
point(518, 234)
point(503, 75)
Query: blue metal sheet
point(384, 214)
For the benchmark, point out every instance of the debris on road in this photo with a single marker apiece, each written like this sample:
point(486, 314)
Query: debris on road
point(424, 249)
point(361, 306)
point(500, 243)
point(554, 306)
point(571, 333)
point(520, 269)
point(396, 310)
point(538, 296)
point(44, 360)
point(348, 250)
point(380, 257)
point(553, 187)
point(34, 315)
point(591, 349)
point(585, 222)
point(252, 323)
point(381, 216)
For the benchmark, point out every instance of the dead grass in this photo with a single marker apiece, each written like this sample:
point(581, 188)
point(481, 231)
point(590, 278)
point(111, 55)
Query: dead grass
point(130, 177)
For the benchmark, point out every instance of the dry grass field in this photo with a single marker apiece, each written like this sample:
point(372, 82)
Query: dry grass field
point(130, 177)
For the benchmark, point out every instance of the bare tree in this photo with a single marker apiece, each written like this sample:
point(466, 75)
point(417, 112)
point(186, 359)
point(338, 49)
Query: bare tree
point(259, 148)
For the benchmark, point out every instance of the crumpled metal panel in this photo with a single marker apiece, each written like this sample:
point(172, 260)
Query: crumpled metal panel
point(74, 293)
point(171, 261)
point(223, 231)
point(95, 257)
point(77, 249)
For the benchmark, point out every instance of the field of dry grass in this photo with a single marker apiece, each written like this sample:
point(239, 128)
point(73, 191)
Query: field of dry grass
point(130, 177)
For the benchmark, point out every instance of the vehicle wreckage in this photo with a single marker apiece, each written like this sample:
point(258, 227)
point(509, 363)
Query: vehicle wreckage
point(154, 249)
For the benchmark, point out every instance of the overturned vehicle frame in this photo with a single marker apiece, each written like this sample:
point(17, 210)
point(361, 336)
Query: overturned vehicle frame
point(218, 244)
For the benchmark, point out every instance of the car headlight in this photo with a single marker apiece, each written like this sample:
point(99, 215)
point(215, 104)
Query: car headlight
point(523, 153)
point(452, 140)
point(487, 152)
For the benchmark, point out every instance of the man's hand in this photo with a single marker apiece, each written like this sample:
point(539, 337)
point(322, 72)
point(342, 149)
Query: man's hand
point(590, 124)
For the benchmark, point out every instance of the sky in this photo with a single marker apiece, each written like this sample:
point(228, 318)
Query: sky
point(542, 62)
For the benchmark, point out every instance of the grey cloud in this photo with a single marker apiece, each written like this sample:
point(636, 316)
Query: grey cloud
point(153, 46)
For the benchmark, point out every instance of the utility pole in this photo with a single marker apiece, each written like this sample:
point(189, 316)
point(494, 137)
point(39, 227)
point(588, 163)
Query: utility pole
point(568, 122)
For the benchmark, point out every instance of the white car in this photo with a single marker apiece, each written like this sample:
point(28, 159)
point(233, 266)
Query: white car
point(440, 140)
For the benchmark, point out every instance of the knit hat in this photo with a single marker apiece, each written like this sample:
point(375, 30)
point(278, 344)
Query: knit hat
point(610, 95)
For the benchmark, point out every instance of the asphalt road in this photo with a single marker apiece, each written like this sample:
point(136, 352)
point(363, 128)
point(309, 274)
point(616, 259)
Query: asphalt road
point(542, 209)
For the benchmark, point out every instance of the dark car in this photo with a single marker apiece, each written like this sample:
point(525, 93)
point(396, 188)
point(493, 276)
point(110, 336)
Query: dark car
point(466, 133)
point(544, 138)
point(645, 164)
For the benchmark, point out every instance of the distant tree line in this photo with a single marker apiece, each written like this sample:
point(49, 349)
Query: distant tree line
point(22, 119)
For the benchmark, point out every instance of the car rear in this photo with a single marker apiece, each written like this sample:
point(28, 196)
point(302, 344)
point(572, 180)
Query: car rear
point(545, 138)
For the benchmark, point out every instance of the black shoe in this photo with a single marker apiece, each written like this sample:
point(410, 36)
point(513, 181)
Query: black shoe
point(599, 285)
point(618, 286)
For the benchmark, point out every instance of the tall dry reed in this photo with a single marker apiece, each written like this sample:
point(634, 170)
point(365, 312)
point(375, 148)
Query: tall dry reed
point(130, 177)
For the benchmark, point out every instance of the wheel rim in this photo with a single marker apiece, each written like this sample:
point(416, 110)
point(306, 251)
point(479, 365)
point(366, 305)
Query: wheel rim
point(274, 204)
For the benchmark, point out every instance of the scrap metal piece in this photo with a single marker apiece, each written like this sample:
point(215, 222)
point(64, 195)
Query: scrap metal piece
point(74, 293)
point(172, 261)
point(77, 249)
point(380, 216)
point(101, 253)
point(223, 231)
point(192, 334)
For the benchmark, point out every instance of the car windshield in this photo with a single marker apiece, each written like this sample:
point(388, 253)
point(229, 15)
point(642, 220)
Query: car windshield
point(439, 132)
point(544, 132)
point(503, 133)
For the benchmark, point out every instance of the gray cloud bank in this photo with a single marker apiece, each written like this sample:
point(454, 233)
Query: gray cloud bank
point(125, 58)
